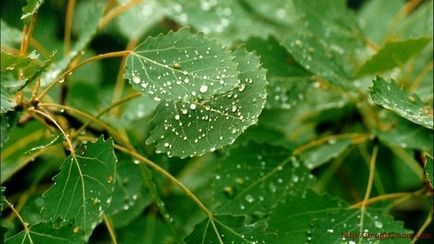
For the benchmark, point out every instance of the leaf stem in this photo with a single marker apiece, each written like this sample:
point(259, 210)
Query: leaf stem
point(425, 70)
point(369, 187)
point(355, 137)
point(25, 224)
point(117, 11)
point(107, 109)
point(166, 174)
point(120, 81)
point(88, 116)
point(108, 223)
point(68, 140)
point(68, 26)
point(74, 67)
point(425, 225)
point(382, 198)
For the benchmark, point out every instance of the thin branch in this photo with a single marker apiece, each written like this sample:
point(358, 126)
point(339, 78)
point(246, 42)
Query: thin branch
point(74, 67)
point(24, 223)
point(120, 81)
point(425, 225)
point(382, 198)
point(116, 11)
point(68, 140)
point(109, 225)
point(356, 138)
point(107, 109)
point(112, 131)
point(369, 186)
point(68, 26)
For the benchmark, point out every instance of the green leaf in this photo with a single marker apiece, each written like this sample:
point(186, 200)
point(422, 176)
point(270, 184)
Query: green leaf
point(89, 30)
point(84, 187)
point(322, 219)
point(304, 47)
point(10, 37)
point(288, 81)
point(388, 95)
point(181, 66)
point(49, 233)
point(30, 64)
point(22, 139)
point(8, 102)
point(131, 23)
point(226, 20)
point(130, 195)
point(146, 230)
point(252, 179)
point(195, 127)
point(393, 54)
point(321, 154)
point(320, 43)
point(30, 9)
point(374, 25)
point(348, 225)
point(418, 23)
point(405, 134)
point(227, 229)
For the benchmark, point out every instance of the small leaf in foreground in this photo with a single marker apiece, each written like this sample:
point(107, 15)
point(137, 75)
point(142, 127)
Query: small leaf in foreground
point(193, 128)
point(83, 189)
point(181, 66)
point(409, 106)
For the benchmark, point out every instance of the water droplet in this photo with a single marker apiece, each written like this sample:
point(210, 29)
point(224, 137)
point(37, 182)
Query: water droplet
point(136, 79)
point(249, 198)
point(203, 88)
point(193, 106)
point(378, 224)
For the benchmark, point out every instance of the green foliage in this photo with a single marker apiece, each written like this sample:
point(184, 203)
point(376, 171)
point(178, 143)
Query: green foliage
point(409, 106)
point(216, 121)
point(83, 189)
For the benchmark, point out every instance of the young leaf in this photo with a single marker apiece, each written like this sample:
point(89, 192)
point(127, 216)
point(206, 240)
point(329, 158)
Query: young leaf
point(30, 9)
point(393, 54)
point(227, 229)
point(198, 126)
point(47, 233)
point(252, 179)
point(388, 95)
point(181, 66)
point(84, 187)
